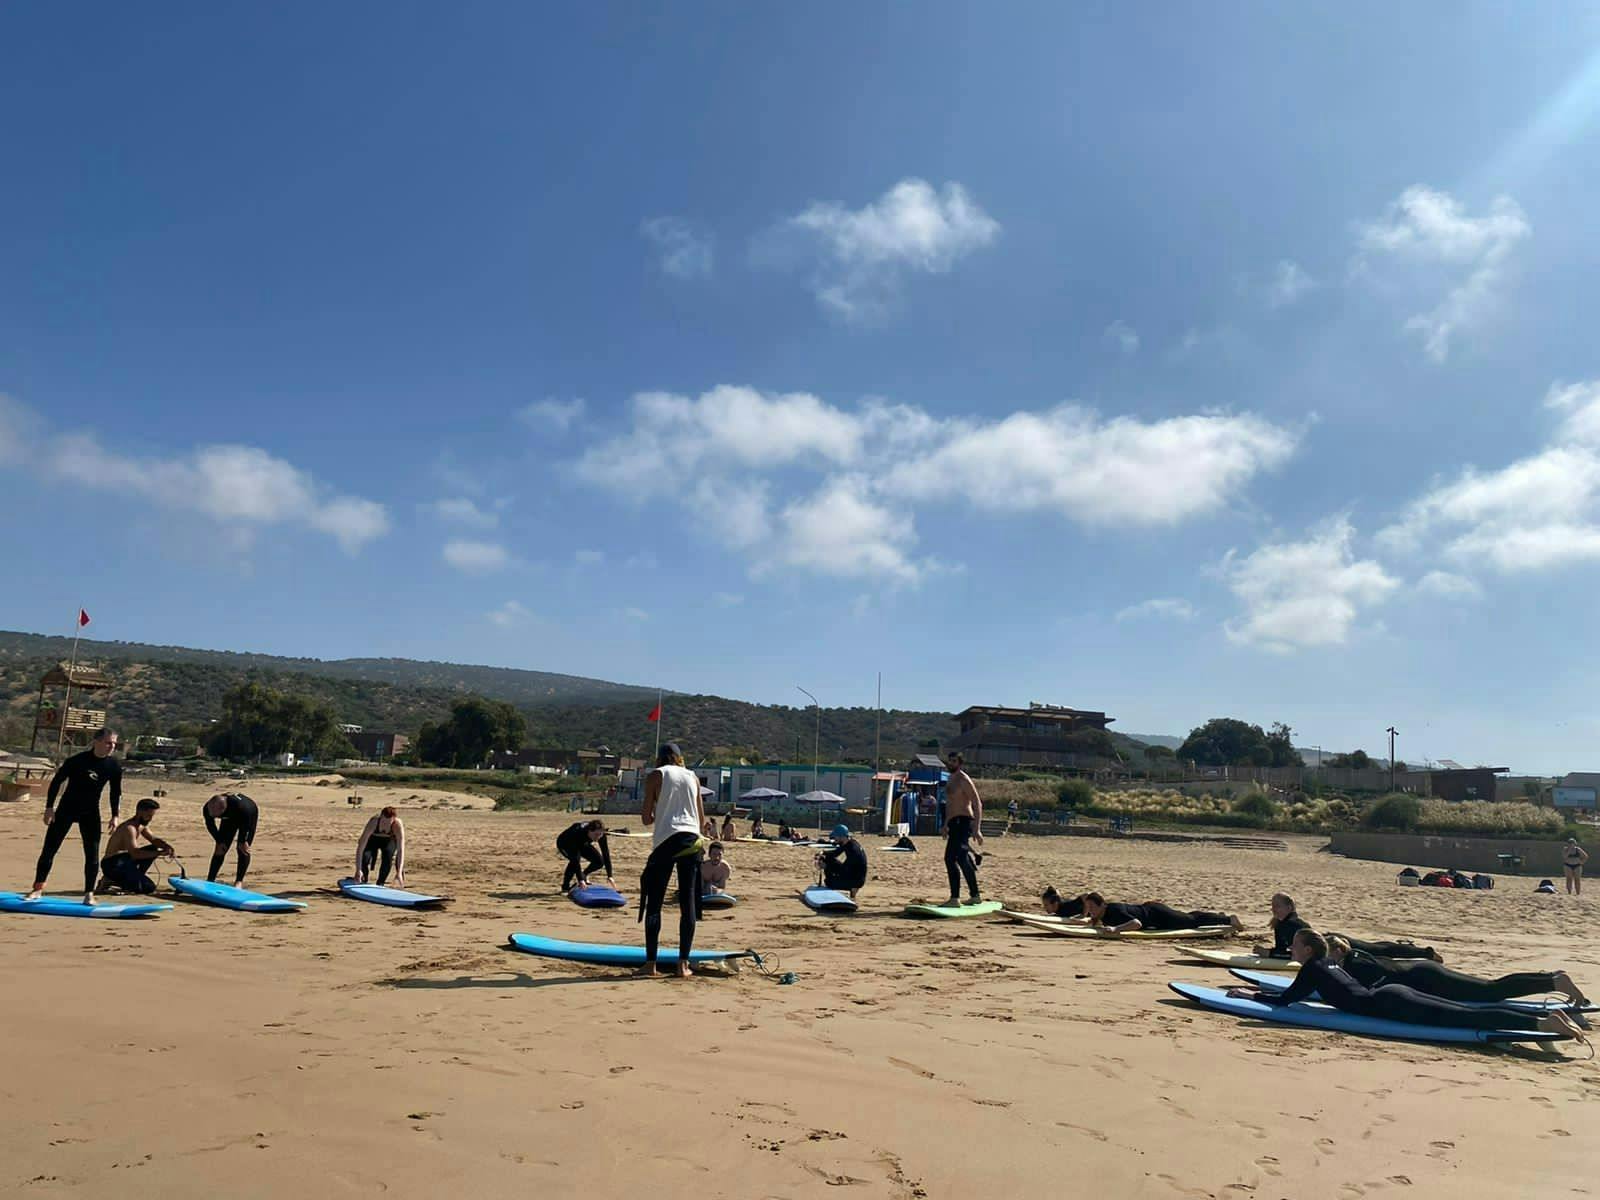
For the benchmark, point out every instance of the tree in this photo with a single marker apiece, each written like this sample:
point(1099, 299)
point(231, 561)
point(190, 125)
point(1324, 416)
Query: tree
point(1227, 742)
point(1154, 752)
point(477, 727)
point(1356, 760)
point(258, 721)
point(1280, 745)
point(1094, 742)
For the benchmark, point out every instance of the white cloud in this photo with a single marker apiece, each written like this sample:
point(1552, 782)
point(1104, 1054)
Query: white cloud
point(552, 414)
point(683, 251)
point(1289, 283)
point(1121, 337)
point(462, 511)
point(1428, 230)
point(1118, 472)
point(510, 615)
point(236, 486)
point(839, 530)
point(475, 557)
point(1162, 607)
point(726, 599)
point(864, 253)
point(589, 558)
point(1307, 593)
point(1580, 402)
point(1448, 586)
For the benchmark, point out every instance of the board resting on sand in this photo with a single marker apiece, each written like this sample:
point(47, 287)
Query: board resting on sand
point(597, 895)
point(48, 906)
point(718, 900)
point(983, 908)
point(1245, 962)
point(1050, 925)
point(225, 895)
point(612, 956)
point(1320, 1016)
point(1279, 983)
point(826, 900)
point(393, 897)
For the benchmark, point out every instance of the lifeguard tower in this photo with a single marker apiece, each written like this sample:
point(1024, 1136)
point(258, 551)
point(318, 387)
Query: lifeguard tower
point(60, 722)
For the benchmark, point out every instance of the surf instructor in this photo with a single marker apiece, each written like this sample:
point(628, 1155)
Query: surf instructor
point(963, 824)
point(228, 816)
point(673, 806)
point(85, 776)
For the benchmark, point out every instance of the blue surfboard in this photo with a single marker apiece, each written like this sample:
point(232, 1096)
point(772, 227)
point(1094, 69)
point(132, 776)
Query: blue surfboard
point(826, 900)
point(612, 956)
point(225, 895)
point(1268, 981)
point(597, 895)
point(394, 897)
point(718, 900)
point(1320, 1016)
point(49, 906)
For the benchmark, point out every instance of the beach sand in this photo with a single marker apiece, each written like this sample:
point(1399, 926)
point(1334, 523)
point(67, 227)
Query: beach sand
point(352, 1050)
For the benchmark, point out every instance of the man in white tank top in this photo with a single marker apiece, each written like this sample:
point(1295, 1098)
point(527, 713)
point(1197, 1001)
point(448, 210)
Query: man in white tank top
point(672, 805)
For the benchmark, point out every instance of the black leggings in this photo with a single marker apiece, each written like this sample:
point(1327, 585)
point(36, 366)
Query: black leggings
point(677, 851)
point(230, 829)
point(87, 820)
point(1396, 1002)
point(839, 877)
point(375, 848)
point(958, 856)
point(1433, 979)
point(1387, 949)
point(1167, 917)
point(575, 870)
point(130, 874)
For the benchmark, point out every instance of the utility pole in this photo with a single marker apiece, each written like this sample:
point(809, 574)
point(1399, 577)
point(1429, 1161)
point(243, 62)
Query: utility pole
point(816, 745)
point(1393, 733)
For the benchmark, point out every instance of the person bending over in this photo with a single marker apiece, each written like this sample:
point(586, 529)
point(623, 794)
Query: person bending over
point(844, 868)
point(385, 836)
point(231, 816)
point(130, 852)
point(584, 842)
point(1128, 918)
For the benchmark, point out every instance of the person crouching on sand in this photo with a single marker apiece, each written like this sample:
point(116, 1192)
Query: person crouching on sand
point(131, 852)
point(844, 868)
point(584, 842)
point(384, 835)
point(674, 807)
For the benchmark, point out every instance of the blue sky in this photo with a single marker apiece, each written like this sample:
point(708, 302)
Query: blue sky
point(1176, 364)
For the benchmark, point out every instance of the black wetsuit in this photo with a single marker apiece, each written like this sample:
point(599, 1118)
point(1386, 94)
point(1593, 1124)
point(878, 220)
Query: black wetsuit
point(238, 821)
point(1161, 916)
point(1394, 1001)
point(576, 845)
point(85, 776)
point(1436, 979)
point(1283, 937)
point(1069, 908)
point(681, 852)
point(379, 845)
point(958, 859)
point(844, 868)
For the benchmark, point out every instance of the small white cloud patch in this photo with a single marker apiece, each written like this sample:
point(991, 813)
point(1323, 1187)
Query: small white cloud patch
point(682, 250)
point(1162, 608)
point(1306, 593)
point(475, 557)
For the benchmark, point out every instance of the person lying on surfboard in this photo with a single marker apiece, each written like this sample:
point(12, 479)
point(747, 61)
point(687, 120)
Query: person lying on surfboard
point(130, 853)
point(385, 835)
point(1336, 987)
point(714, 871)
point(1125, 918)
point(1058, 905)
point(1286, 922)
point(1435, 980)
point(844, 868)
point(584, 842)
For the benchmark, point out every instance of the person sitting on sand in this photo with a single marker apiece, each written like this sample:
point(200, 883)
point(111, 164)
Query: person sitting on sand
point(785, 834)
point(1433, 979)
point(1396, 1002)
point(130, 853)
point(1286, 922)
point(714, 871)
point(674, 807)
point(1058, 905)
point(758, 831)
point(584, 842)
point(385, 837)
point(844, 868)
point(729, 830)
point(1129, 918)
point(904, 842)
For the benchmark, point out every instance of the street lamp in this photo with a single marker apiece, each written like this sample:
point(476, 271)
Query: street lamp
point(1393, 733)
point(815, 745)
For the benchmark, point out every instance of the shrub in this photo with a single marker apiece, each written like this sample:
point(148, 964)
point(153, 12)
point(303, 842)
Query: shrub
point(1256, 804)
point(1398, 811)
point(1075, 793)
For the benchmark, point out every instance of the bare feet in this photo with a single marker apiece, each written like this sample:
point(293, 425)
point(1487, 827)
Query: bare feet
point(38, 891)
point(1567, 988)
point(1238, 925)
point(88, 898)
point(1567, 1025)
point(685, 970)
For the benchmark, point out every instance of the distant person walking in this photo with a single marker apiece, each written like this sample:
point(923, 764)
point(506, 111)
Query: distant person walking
point(85, 775)
point(963, 824)
point(1573, 856)
point(674, 806)
point(230, 816)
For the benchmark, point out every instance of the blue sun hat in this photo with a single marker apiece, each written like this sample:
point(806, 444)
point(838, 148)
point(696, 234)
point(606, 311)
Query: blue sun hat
point(840, 832)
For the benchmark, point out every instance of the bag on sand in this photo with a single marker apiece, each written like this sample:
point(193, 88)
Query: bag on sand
point(1483, 882)
point(1408, 878)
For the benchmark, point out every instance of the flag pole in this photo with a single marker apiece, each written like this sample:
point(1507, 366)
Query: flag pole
point(66, 712)
point(658, 728)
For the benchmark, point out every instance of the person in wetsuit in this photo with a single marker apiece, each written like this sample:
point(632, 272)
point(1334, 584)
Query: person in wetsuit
point(673, 805)
point(230, 816)
point(1286, 922)
point(1434, 979)
point(384, 837)
point(1393, 1001)
point(844, 868)
point(963, 824)
point(1058, 905)
point(581, 842)
point(85, 775)
point(130, 852)
point(1128, 918)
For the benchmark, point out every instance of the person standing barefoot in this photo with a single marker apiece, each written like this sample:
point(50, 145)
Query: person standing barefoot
point(85, 775)
point(963, 822)
point(673, 805)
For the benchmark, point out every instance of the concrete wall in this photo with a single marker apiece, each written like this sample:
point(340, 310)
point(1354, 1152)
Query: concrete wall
point(1464, 853)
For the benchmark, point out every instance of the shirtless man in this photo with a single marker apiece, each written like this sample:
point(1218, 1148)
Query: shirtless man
point(714, 871)
point(963, 824)
point(132, 850)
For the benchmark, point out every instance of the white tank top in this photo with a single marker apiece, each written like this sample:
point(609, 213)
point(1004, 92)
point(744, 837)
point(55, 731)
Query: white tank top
point(678, 808)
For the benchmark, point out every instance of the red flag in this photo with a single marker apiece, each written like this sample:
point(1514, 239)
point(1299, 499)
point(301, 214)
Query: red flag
point(83, 617)
point(655, 714)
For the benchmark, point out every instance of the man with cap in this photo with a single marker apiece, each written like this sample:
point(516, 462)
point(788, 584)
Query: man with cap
point(1573, 856)
point(844, 868)
point(131, 851)
point(675, 808)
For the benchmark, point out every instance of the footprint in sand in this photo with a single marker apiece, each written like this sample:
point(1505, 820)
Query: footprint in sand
point(1096, 1134)
point(913, 1068)
point(1269, 1166)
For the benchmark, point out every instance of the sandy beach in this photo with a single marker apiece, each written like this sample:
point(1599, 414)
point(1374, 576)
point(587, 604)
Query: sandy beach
point(350, 1050)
